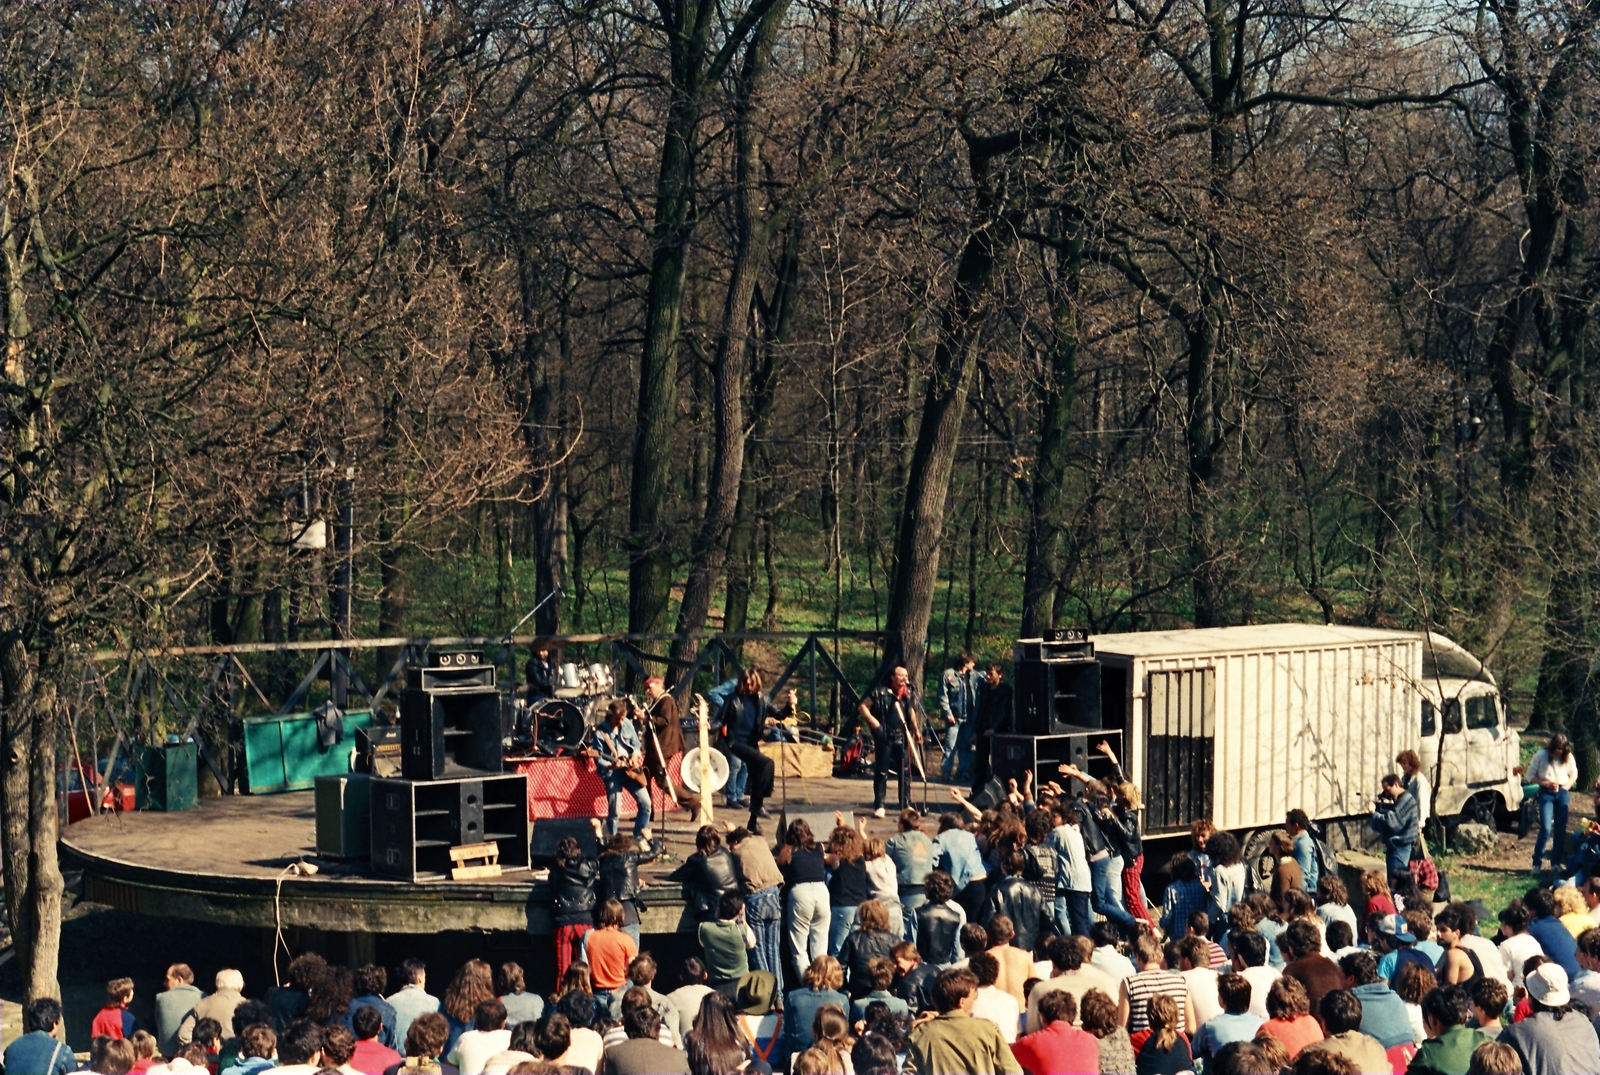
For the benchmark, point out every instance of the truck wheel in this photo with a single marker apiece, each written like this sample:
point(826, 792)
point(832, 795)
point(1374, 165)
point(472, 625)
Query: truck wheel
point(1481, 809)
point(1258, 864)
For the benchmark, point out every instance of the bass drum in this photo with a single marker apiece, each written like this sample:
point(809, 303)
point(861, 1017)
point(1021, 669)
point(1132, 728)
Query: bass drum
point(690, 770)
point(560, 721)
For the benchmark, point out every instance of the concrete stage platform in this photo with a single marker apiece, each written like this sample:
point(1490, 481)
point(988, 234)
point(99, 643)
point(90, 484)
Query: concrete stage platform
point(224, 863)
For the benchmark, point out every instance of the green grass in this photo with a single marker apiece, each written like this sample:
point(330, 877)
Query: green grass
point(1496, 886)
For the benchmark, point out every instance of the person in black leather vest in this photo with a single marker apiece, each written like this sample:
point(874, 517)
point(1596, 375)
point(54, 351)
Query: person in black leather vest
point(707, 875)
point(572, 897)
point(619, 877)
point(1017, 899)
point(939, 921)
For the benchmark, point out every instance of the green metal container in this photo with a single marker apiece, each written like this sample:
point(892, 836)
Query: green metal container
point(282, 753)
point(166, 776)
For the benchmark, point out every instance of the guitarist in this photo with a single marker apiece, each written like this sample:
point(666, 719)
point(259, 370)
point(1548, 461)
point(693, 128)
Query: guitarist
point(619, 756)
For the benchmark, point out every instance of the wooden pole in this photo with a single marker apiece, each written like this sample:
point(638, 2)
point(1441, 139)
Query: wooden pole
point(703, 719)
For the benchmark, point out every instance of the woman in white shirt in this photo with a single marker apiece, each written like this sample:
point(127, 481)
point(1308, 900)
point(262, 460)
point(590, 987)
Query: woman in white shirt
point(1555, 770)
point(1416, 784)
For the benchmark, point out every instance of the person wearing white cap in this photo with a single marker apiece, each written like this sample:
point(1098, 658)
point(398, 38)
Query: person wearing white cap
point(1555, 1039)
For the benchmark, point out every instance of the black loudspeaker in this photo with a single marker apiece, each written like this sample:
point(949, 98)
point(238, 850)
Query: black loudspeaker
point(415, 823)
point(1013, 755)
point(549, 831)
point(450, 732)
point(990, 795)
point(1057, 687)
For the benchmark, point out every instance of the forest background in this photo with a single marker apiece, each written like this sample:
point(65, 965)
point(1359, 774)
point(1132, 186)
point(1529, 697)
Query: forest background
point(955, 320)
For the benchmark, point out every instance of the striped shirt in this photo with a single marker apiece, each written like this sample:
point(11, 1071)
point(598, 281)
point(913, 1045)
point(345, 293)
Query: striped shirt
point(1148, 984)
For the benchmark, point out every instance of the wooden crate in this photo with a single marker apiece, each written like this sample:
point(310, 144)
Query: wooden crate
point(799, 759)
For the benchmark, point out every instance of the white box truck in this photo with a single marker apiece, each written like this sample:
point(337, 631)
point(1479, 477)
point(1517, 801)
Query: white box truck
point(1241, 724)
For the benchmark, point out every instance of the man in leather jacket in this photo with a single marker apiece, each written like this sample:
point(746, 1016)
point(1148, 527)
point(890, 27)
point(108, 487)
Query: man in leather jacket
point(618, 875)
point(1017, 899)
point(892, 714)
point(745, 714)
point(572, 887)
point(707, 875)
point(993, 716)
point(939, 921)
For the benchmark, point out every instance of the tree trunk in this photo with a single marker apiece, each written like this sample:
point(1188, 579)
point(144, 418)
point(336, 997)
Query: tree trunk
point(1204, 553)
point(1046, 506)
point(28, 803)
point(732, 349)
point(933, 457)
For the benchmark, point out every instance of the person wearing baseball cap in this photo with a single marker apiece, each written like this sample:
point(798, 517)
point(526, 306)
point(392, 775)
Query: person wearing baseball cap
point(1554, 1039)
point(1392, 937)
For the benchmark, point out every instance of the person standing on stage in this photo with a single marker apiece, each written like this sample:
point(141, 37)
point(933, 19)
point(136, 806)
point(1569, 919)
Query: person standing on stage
point(661, 710)
point(541, 675)
point(618, 750)
point(958, 704)
point(994, 711)
point(892, 715)
point(746, 714)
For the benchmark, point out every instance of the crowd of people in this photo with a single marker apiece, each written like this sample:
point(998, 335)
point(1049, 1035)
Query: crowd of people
point(1012, 939)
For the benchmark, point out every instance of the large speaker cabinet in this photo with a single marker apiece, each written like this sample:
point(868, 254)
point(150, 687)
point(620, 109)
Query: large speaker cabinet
point(1012, 755)
point(450, 720)
point(1057, 684)
point(415, 823)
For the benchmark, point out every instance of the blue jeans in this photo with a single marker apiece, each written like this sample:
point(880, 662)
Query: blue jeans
point(909, 902)
point(764, 912)
point(1106, 877)
point(964, 749)
point(1398, 860)
point(1072, 913)
point(843, 921)
point(952, 738)
point(738, 774)
point(616, 783)
point(1552, 827)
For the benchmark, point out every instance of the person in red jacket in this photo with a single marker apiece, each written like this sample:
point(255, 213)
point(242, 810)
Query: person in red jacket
point(371, 1055)
point(1060, 1048)
point(115, 1020)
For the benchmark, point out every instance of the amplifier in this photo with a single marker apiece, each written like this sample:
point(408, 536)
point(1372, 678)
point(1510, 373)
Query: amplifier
point(1012, 755)
point(415, 823)
point(378, 750)
point(344, 816)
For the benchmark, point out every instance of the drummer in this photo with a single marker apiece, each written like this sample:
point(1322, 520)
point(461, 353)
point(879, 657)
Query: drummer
point(541, 676)
point(661, 709)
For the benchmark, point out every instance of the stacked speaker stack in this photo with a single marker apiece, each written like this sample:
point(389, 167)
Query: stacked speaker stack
point(451, 792)
point(1056, 716)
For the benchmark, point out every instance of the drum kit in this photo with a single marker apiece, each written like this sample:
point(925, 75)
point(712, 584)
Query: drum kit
point(550, 727)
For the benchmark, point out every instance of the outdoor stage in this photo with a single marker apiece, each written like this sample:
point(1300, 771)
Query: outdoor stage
point(225, 863)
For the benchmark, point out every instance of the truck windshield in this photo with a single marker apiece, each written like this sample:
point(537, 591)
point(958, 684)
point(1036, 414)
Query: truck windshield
point(1452, 716)
point(1482, 713)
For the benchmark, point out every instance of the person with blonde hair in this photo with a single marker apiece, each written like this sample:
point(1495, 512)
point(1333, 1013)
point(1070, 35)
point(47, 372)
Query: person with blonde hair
point(824, 982)
point(1166, 1050)
point(1495, 1058)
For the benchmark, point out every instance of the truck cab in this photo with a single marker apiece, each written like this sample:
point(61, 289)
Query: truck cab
point(1469, 753)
